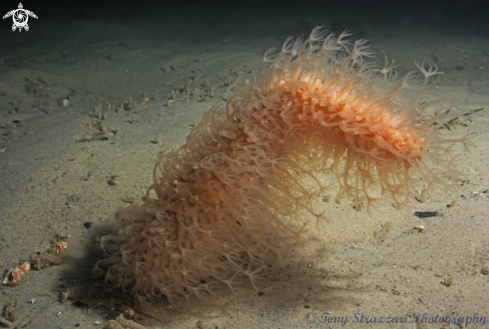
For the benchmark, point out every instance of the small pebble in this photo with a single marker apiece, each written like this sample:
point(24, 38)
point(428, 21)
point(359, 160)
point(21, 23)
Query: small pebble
point(4, 322)
point(448, 282)
point(112, 181)
point(97, 322)
point(11, 313)
point(453, 204)
point(485, 270)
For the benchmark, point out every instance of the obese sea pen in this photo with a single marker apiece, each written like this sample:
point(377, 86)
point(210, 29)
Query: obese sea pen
point(312, 116)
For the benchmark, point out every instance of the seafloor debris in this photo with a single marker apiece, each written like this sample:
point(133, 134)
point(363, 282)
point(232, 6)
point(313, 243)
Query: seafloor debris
point(10, 312)
point(448, 282)
point(4, 322)
point(45, 260)
point(16, 274)
point(459, 120)
point(427, 214)
point(127, 312)
point(60, 246)
point(121, 323)
point(71, 293)
point(418, 227)
point(96, 131)
point(49, 258)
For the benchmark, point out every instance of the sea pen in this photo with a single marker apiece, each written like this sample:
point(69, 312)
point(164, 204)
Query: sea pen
point(314, 110)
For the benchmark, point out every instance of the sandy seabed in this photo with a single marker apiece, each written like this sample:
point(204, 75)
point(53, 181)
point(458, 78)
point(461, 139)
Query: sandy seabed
point(67, 166)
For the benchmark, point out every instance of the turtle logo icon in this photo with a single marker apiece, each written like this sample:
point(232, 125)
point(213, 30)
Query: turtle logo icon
point(20, 16)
